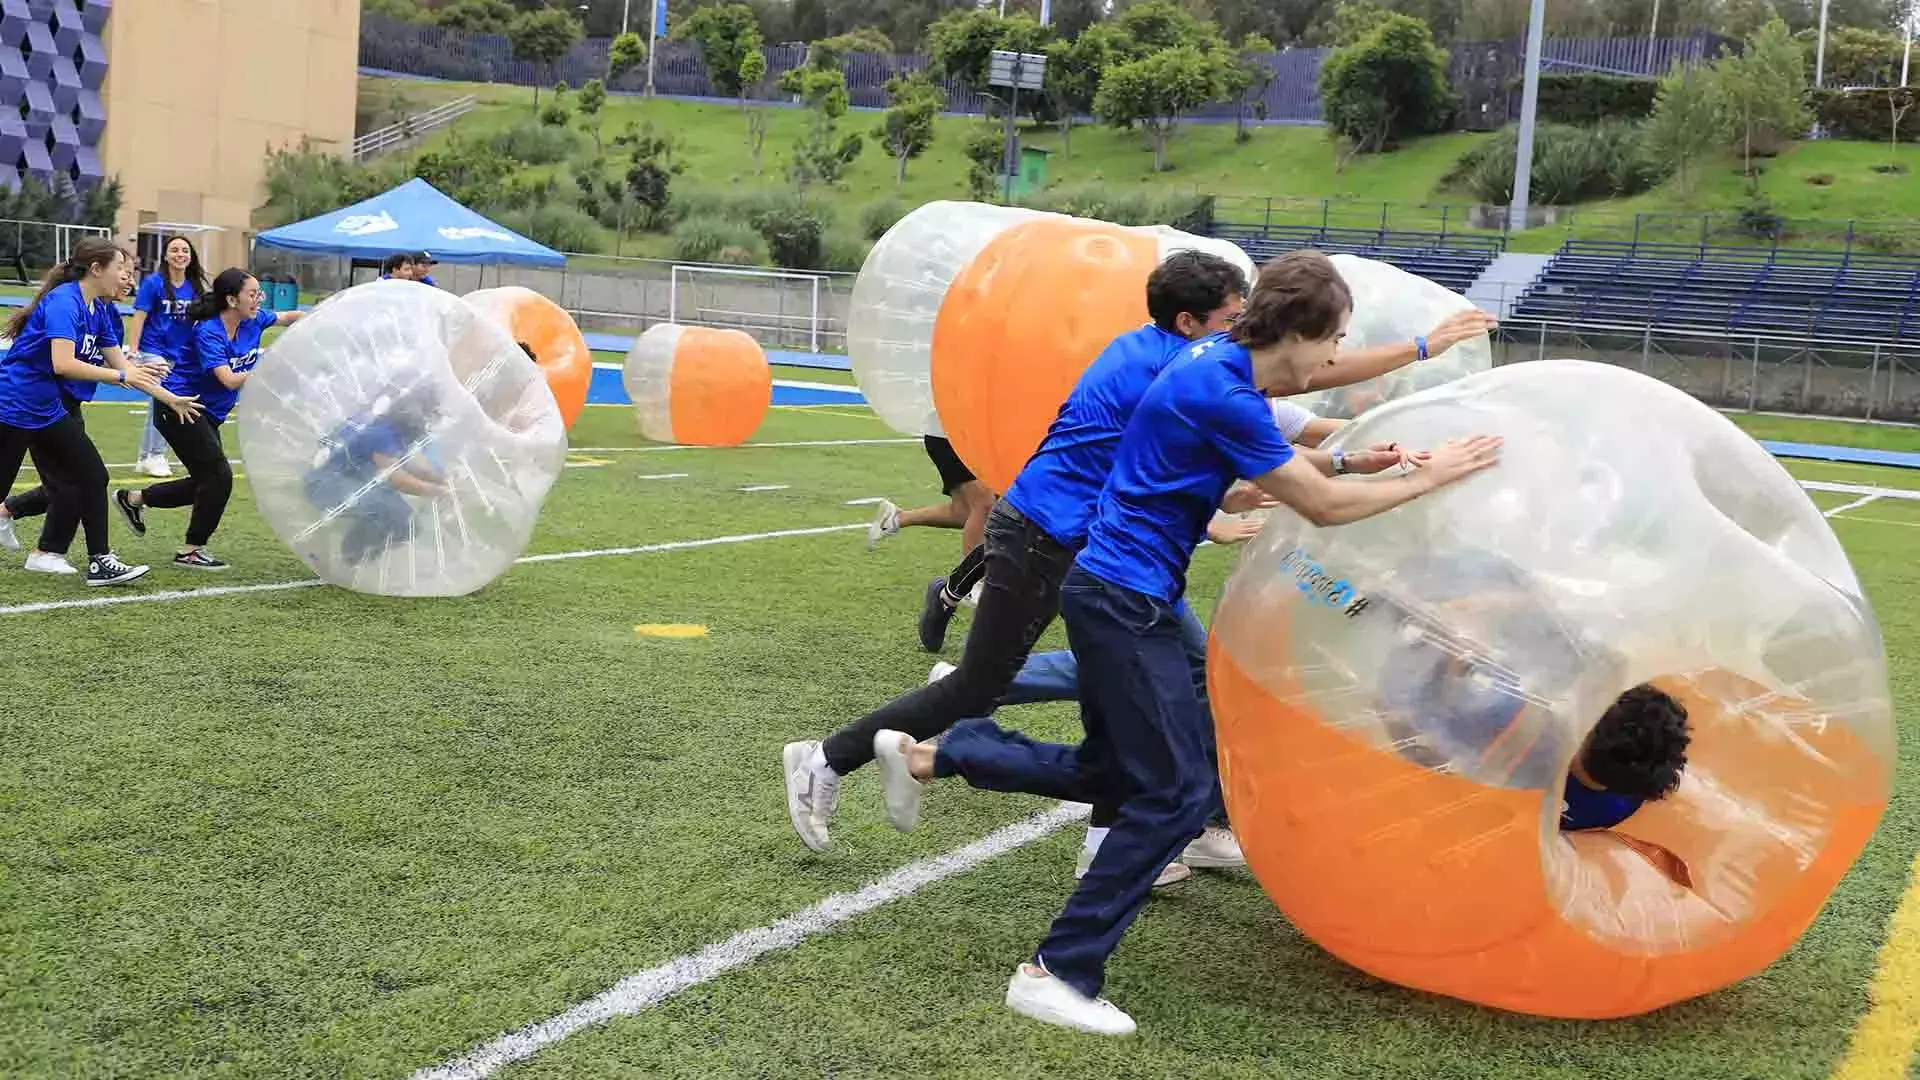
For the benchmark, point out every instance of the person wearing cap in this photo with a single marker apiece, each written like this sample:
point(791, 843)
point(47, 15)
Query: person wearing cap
point(423, 264)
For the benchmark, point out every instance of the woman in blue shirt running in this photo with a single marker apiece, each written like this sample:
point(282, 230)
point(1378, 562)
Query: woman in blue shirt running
point(227, 324)
point(65, 338)
point(161, 329)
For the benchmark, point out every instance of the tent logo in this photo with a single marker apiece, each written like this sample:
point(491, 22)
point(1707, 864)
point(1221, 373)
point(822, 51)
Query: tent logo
point(367, 224)
point(449, 232)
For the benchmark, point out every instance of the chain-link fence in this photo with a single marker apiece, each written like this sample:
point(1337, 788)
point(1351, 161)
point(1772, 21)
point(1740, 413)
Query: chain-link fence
point(28, 248)
point(1772, 373)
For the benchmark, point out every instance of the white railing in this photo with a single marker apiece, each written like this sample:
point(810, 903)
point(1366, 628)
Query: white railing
point(380, 140)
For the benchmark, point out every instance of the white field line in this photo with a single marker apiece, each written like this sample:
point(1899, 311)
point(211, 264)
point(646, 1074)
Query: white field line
point(1854, 505)
point(307, 583)
point(645, 989)
point(765, 487)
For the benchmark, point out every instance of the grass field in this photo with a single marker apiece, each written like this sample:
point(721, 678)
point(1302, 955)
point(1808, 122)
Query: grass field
point(1298, 166)
point(300, 832)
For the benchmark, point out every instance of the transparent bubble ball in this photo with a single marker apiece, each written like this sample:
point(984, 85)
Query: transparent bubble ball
point(400, 442)
point(1392, 307)
point(1399, 701)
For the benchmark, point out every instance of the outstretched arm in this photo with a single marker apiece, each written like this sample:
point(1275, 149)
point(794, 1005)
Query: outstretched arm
point(1324, 501)
point(1364, 364)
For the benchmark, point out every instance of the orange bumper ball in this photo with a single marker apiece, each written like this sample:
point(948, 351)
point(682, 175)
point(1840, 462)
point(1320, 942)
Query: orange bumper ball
point(697, 386)
point(544, 327)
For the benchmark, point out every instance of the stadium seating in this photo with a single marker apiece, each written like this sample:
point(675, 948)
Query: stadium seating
point(1452, 259)
point(1735, 290)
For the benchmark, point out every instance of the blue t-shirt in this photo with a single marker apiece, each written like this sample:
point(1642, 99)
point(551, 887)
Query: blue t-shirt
point(352, 446)
point(83, 389)
point(193, 374)
point(1200, 426)
point(1586, 808)
point(1060, 484)
point(168, 332)
point(29, 390)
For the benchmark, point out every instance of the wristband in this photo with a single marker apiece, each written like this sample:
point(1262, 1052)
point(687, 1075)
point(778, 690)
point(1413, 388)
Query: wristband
point(1420, 348)
point(1339, 463)
point(122, 372)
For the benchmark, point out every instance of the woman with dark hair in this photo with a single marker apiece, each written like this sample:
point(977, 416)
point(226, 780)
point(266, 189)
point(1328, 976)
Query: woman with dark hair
point(160, 328)
point(227, 324)
point(65, 339)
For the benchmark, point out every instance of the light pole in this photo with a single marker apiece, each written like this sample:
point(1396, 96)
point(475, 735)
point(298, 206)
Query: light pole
point(1820, 50)
point(1906, 58)
point(653, 42)
point(1529, 106)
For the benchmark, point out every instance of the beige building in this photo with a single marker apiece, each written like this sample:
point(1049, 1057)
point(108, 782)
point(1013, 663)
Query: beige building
point(197, 91)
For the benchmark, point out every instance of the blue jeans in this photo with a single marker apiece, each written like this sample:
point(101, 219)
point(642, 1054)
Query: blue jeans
point(1055, 676)
point(377, 518)
point(1147, 753)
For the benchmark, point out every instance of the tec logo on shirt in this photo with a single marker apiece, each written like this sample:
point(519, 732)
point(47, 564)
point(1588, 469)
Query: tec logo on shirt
point(89, 351)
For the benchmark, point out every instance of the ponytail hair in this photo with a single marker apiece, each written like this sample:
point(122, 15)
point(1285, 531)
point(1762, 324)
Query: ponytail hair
point(87, 254)
point(213, 301)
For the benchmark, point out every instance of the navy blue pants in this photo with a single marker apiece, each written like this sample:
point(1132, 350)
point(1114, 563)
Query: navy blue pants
point(1147, 752)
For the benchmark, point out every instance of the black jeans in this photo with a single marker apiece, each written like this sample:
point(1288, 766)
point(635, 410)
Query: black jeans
point(1021, 597)
point(35, 501)
point(74, 476)
point(209, 480)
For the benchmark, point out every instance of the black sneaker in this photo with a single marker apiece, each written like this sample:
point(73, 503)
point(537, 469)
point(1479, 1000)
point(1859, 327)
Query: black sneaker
point(109, 570)
point(198, 559)
point(136, 515)
point(934, 616)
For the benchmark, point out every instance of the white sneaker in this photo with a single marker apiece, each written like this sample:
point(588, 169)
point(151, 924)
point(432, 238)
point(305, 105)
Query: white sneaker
point(155, 466)
point(941, 669)
point(1174, 874)
point(886, 522)
point(41, 562)
point(7, 539)
point(897, 785)
point(813, 794)
point(1034, 993)
point(1215, 850)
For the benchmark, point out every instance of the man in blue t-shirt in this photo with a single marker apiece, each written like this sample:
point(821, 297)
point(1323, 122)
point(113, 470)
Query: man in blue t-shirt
point(1202, 426)
point(366, 465)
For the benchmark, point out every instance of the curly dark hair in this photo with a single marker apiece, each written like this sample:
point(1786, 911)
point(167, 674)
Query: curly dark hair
point(1639, 748)
point(1193, 282)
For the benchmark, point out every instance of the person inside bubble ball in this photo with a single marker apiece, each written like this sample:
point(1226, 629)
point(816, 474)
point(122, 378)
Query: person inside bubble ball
point(367, 464)
point(1451, 699)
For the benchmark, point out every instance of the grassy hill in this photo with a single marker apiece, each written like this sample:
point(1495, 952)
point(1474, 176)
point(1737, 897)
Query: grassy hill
point(1282, 171)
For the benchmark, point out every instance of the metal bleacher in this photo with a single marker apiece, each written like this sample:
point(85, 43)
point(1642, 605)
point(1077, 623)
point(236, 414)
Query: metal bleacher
point(1734, 290)
point(1455, 260)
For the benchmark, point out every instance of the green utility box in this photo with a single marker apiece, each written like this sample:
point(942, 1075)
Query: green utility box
point(1033, 171)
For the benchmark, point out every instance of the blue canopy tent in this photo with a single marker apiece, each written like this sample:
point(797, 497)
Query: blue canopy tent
point(412, 217)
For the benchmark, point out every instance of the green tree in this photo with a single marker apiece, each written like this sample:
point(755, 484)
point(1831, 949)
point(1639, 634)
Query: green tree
point(1155, 25)
point(1155, 92)
point(1074, 71)
point(986, 151)
point(476, 16)
point(1248, 75)
point(960, 44)
point(650, 171)
point(1386, 86)
point(1071, 18)
point(907, 129)
point(753, 79)
point(404, 10)
point(627, 53)
point(1763, 90)
point(543, 38)
point(593, 98)
point(865, 39)
point(822, 154)
point(724, 34)
point(1688, 121)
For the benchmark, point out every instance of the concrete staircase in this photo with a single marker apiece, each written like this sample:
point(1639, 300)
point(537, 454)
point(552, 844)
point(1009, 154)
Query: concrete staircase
point(1497, 290)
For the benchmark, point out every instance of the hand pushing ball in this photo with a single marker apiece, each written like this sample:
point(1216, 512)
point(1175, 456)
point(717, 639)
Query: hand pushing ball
point(697, 386)
point(1448, 733)
point(1393, 307)
point(401, 442)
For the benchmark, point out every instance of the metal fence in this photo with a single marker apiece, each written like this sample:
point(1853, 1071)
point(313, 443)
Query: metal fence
point(1293, 97)
point(1869, 380)
point(28, 248)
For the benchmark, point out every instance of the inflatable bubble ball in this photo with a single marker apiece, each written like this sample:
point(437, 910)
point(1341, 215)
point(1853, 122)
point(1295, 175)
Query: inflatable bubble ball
point(697, 386)
point(897, 296)
point(1027, 315)
point(546, 330)
point(1392, 307)
point(1431, 721)
point(400, 442)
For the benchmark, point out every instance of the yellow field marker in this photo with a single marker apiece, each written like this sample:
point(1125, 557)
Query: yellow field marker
point(1883, 1042)
point(670, 630)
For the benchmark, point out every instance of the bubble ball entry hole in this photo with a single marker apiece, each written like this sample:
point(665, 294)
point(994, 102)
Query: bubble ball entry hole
point(401, 442)
point(1399, 700)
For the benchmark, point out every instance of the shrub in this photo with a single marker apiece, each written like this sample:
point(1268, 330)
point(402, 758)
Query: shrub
point(1388, 85)
point(1570, 164)
point(1589, 99)
point(560, 227)
point(1864, 114)
point(845, 250)
point(1128, 206)
point(718, 240)
point(880, 215)
point(793, 235)
point(536, 144)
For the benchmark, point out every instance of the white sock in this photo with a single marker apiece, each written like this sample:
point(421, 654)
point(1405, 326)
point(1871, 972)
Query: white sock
point(818, 762)
point(1095, 836)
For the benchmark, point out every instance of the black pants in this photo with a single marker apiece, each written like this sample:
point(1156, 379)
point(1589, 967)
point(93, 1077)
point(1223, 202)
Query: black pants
point(209, 480)
point(75, 481)
point(34, 502)
point(1022, 595)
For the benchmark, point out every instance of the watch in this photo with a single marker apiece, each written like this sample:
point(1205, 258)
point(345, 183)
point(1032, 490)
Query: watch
point(1339, 463)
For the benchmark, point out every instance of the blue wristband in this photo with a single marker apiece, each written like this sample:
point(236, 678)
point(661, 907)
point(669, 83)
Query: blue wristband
point(1420, 348)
